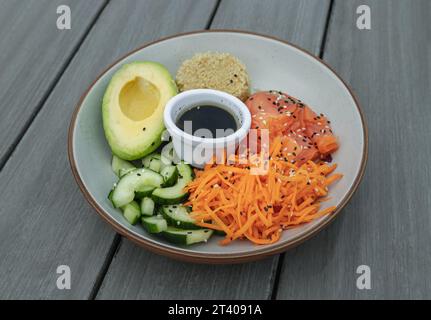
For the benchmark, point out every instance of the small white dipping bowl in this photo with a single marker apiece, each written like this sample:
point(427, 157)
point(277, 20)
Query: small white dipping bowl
point(197, 151)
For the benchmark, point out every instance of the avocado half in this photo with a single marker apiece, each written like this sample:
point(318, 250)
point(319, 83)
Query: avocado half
point(133, 106)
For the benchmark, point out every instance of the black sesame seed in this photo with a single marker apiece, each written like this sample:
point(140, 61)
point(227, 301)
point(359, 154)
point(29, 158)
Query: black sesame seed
point(231, 81)
point(235, 75)
point(143, 129)
point(139, 174)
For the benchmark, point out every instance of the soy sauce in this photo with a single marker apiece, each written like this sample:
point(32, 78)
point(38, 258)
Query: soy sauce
point(215, 119)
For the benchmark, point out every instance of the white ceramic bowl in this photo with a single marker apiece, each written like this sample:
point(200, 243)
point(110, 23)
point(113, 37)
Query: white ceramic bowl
point(271, 64)
point(196, 150)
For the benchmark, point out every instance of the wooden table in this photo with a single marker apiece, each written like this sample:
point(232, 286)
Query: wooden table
point(45, 221)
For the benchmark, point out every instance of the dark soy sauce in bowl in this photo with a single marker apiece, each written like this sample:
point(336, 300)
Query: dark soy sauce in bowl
point(217, 120)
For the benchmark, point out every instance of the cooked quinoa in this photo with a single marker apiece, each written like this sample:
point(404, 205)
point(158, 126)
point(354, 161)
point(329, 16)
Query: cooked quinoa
point(213, 70)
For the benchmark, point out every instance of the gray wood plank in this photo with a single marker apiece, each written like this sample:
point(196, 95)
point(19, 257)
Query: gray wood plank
point(44, 219)
point(33, 54)
point(387, 225)
point(132, 272)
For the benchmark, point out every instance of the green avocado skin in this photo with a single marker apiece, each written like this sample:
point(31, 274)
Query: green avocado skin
point(153, 139)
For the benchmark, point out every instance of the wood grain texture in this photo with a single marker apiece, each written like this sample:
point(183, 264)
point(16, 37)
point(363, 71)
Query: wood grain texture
point(387, 225)
point(138, 274)
point(33, 54)
point(44, 220)
point(300, 22)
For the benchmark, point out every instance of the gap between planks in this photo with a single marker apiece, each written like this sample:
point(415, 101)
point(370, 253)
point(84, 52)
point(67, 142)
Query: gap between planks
point(51, 88)
point(118, 239)
point(321, 54)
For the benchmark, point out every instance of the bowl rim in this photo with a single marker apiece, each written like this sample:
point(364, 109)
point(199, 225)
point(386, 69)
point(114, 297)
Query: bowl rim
point(225, 258)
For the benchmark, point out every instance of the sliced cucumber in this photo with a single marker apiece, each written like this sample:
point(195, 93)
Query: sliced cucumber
point(170, 176)
point(155, 165)
point(178, 216)
point(143, 192)
point(110, 195)
point(176, 193)
point(156, 162)
point(169, 153)
point(187, 237)
point(124, 192)
point(132, 212)
point(147, 160)
point(147, 206)
point(154, 224)
point(119, 165)
point(124, 171)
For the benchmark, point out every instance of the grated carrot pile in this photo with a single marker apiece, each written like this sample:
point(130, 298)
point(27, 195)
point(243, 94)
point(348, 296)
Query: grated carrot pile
point(230, 199)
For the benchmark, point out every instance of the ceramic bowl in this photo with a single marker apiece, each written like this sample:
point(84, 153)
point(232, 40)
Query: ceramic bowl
point(271, 64)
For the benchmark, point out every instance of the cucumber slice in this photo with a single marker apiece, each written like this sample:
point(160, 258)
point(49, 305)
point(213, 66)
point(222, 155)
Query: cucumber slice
point(124, 192)
point(147, 160)
point(178, 216)
point(155, 165)
point(187, 237)
point(110, 195)
point(154, 224)
point(170, 175)
point(147, 206)
point(169, 153)
point(118, 165)
point(124, 171)
point(156, 162)
point(132, 212)
point(176, 193)
point(143, 192)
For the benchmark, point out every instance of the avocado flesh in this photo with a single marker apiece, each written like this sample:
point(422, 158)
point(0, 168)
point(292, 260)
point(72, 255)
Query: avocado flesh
point(133, 107)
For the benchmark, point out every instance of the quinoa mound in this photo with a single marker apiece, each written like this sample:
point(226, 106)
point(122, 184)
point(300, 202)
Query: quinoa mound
point(213, 70)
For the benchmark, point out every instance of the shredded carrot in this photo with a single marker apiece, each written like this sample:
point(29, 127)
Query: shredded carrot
point(230, 198)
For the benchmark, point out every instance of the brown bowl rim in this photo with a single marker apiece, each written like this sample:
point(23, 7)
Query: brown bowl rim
point(227, 258)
